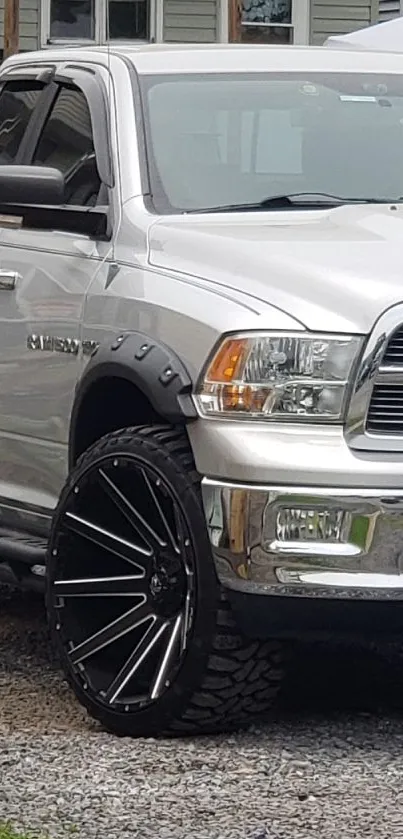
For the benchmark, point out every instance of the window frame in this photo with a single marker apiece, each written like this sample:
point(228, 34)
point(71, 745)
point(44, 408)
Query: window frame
point(300, 21)
point(86, 78)
point(91, 85)
point(101, 25)
point(156, 200)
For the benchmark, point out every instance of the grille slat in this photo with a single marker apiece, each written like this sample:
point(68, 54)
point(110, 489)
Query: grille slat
point(386, 406)
point(387, 421)
point(388, 417)
point(385, 414)
point(394, 350)
point(387, 401)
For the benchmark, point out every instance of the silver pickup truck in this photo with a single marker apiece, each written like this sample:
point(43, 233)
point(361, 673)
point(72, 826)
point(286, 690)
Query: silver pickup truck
point(201, 368)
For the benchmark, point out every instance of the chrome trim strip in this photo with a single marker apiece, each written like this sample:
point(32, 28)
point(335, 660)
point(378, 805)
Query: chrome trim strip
point(25, 509)
point(386, 370)
point(32, 519)
point(364, 560)
point(369, 373)
point(389, 376)
point(391, 496)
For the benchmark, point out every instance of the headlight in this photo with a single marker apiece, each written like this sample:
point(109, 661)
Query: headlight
point(279, 377)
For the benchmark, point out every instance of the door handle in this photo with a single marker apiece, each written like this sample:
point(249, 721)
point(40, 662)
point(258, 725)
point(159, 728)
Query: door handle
point(8, 280)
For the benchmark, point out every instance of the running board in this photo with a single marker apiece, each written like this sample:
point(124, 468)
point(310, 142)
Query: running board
point(22, 560)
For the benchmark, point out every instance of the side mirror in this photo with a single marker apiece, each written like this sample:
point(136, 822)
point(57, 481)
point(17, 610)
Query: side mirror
point(40, 185)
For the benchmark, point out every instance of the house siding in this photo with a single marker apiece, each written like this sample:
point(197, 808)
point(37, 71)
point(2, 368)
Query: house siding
point(29, 24)
point(198, 21)
point(191, 21)
point(338, 17)
point(389, 9)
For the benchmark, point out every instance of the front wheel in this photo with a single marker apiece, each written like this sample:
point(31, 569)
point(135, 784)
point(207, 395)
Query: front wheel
point(146, 637)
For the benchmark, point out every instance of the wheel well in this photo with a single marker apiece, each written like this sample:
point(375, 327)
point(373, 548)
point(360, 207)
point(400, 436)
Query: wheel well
point(110, 404)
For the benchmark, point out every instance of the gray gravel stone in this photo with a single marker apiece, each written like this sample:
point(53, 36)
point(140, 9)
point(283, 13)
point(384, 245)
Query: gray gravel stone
point(317, 773)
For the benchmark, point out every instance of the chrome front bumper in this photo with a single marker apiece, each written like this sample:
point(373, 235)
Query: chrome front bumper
point(306, 542)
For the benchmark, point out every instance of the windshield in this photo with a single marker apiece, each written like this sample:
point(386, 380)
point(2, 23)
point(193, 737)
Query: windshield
point(226, 139)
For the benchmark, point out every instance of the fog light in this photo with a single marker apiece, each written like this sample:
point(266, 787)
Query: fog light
point(304, 525)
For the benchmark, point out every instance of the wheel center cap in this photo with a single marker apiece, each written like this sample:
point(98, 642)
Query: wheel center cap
point(167, 588)
point(156, 585)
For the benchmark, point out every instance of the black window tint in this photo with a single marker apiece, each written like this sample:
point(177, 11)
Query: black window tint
point(17, 101)
point(67, 136)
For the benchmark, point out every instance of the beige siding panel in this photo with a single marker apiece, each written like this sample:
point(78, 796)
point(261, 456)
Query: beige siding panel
point(27, 30)
point(28, 44)
point(327, 27)
point(179, 22)
point(24, 4)
point(389, 9)
point(194, 21)
point(338, 17)
point(199, 7)
point(343, 13)
point(29, 24)
point(337, 4)
point(30, 16)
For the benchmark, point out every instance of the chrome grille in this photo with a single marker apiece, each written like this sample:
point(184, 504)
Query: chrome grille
point(394, 351)
point(385, 413)
point(374, 421)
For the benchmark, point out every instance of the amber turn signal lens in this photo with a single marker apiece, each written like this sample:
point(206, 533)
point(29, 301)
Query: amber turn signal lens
point(228, 360)
point(244, 398)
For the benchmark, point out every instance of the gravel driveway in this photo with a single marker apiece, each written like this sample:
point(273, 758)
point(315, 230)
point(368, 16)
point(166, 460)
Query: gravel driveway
point(317, 772)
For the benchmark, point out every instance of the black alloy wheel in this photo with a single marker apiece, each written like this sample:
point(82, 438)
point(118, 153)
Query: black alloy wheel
point(145, 636)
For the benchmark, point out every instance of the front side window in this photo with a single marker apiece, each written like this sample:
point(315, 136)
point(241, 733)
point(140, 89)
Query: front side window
point(67, 144)
point(17, 102)
point(225, 139)
point(67, 135)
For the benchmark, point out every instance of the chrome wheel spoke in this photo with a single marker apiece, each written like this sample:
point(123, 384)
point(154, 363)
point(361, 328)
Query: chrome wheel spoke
point(167, 659)
point(183, 542)
point(130, 586)
point(181, 538)
point(109, 542)
point(143, 649)
point(112, 632)
point(139, 524)
point(160, 513)
point(186, 620)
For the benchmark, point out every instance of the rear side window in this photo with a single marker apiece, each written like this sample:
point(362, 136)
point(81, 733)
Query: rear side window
point(67, 136)
point(17, 102)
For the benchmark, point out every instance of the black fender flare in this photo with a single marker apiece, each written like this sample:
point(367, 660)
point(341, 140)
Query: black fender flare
point(149, 365)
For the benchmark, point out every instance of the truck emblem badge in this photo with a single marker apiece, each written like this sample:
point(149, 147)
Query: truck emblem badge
point(52, 343)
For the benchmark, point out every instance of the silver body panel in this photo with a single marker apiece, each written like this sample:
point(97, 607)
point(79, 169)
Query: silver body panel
point(185, 281)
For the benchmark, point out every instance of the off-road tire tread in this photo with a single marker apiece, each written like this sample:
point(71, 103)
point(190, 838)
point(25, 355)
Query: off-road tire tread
point(243, 676)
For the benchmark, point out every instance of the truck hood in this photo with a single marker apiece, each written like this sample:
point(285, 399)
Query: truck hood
point(334, 270)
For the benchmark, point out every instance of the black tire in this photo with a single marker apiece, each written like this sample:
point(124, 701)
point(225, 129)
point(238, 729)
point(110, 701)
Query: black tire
point(223, 680)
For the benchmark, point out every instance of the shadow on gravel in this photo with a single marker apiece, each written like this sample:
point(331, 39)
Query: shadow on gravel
point(344, 677)
point(322, 678)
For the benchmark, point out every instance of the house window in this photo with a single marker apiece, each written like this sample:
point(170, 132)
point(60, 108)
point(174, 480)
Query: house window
point(275, 21)
point(81, 21)
point(72, 20)
point(129, 19)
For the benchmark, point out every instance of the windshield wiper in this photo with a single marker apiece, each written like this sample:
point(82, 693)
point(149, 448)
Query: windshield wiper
point(311, 200)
